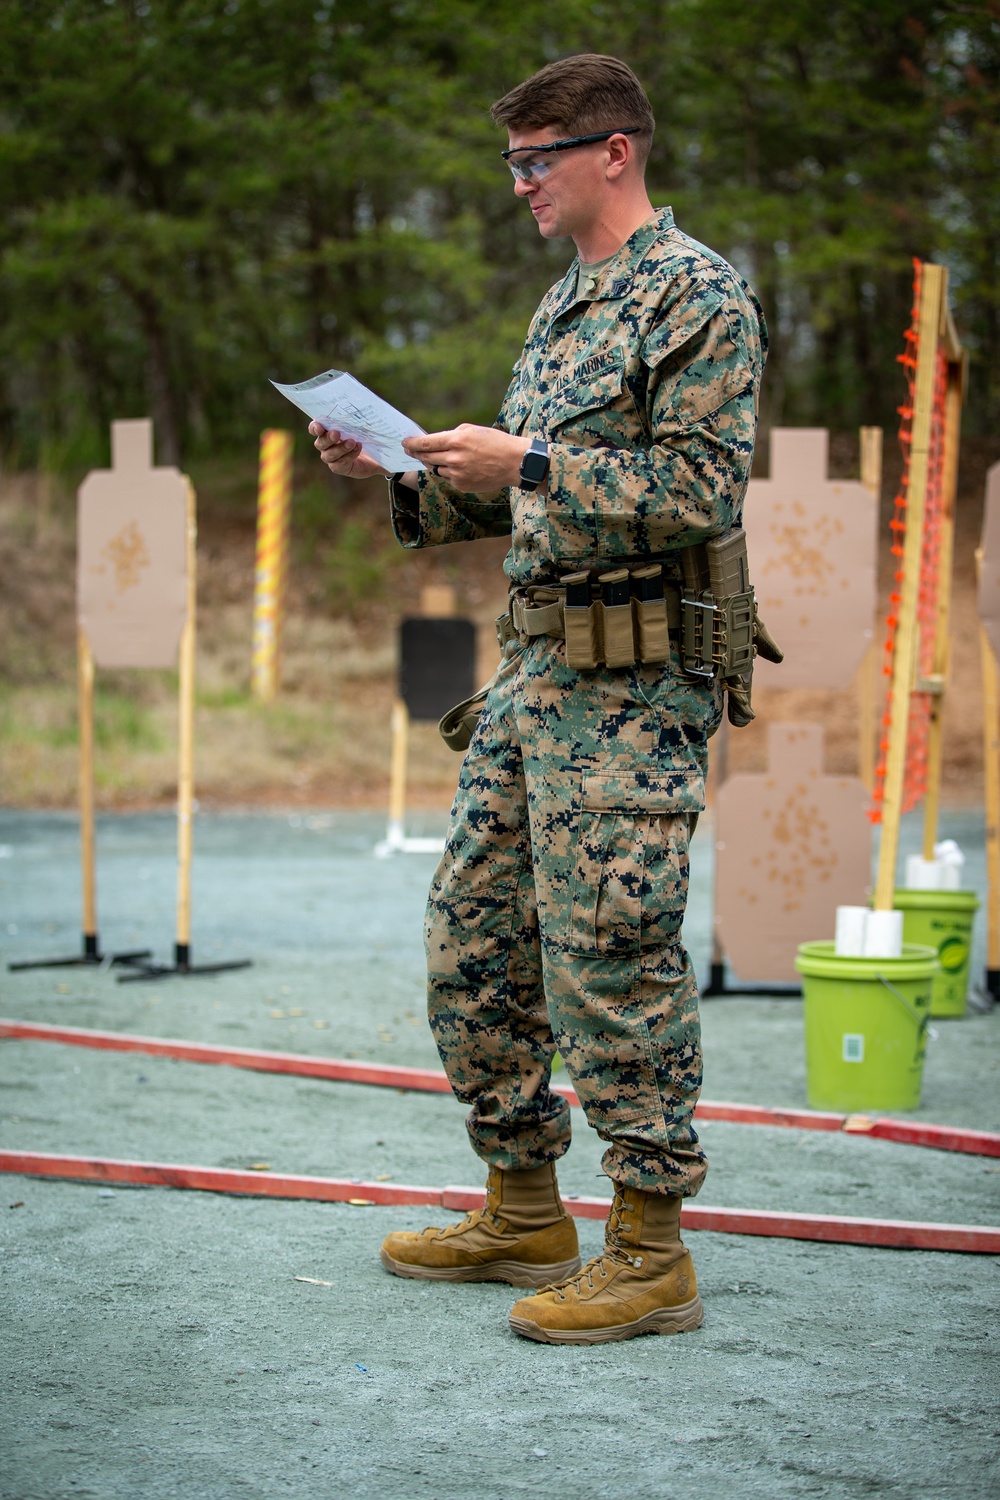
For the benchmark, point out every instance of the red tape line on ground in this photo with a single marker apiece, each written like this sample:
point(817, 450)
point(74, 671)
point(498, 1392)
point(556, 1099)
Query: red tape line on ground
point(430, 1080)
point(341, 1070)
point(832, 1229)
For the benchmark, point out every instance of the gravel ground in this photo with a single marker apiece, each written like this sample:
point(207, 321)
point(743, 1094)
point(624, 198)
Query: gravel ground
point(158, 1342)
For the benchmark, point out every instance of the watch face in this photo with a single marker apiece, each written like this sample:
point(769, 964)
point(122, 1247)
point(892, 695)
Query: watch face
point(534, 466)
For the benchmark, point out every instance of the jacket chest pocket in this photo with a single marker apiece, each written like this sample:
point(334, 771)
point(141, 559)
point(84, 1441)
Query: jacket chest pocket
point(592, 408)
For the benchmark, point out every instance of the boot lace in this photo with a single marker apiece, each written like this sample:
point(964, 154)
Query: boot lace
point(472, 1218)
point(617, 1228)
point(615, 1253)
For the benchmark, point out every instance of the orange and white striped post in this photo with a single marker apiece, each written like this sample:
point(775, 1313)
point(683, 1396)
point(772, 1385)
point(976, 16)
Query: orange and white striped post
point(274, 495)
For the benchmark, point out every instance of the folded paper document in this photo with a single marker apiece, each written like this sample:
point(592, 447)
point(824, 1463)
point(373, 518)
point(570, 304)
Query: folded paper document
point(346, 406)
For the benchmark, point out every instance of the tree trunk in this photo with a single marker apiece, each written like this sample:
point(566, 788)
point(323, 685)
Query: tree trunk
point(166, 425)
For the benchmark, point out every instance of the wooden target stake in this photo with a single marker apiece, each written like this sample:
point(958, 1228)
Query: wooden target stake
point(185, 748)
point(437, 609)
point(85, 688)
point(988, 590)
point(397, 840)
point(400, 732)
point(936, 683)
point(991, 768)
point(933, 287)
point(91, 947)
point(187, 660)
point(869, 676)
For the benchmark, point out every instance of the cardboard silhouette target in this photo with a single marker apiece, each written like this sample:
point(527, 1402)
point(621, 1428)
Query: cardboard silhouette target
point(792, 845)
point(132, 554)
point(136, 566)
point(812, 543)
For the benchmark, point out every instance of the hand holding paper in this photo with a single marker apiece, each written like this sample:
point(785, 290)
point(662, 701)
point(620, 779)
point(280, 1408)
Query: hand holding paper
point(344, 457)
point(478, 460)
point(344, 406)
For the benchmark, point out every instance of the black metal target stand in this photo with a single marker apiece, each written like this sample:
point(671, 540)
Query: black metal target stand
point(90, 957)
point(181, 967)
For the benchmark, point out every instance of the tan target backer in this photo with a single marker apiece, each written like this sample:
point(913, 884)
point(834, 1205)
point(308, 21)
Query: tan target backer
point(792, 846)
point(813, 545)
point(132, 554)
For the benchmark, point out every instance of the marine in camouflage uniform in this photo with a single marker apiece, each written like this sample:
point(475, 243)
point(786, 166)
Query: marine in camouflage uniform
point(554, 916)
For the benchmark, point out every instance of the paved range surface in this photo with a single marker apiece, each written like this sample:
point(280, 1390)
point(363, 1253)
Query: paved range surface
point(158, 1342)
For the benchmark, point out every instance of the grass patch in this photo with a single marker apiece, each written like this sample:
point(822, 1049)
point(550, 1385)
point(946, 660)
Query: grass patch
point(229, 696)
point(121, 720)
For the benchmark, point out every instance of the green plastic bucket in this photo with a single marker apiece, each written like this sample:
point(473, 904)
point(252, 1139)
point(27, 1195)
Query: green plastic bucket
point(866, 1026)
point(943, 920)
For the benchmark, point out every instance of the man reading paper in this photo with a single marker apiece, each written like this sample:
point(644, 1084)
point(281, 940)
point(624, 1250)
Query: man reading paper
point(619, 460)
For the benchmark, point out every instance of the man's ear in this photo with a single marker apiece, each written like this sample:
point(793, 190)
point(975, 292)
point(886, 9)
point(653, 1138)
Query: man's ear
point(620, 154)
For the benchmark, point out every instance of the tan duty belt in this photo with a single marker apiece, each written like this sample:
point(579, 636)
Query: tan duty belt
point(614, 619)
point(608, 619)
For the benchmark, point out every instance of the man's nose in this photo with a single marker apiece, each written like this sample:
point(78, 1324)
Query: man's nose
point(522, 188)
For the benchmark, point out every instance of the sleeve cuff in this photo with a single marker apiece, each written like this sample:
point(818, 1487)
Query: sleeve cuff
point(571, 508)
point(404, 513)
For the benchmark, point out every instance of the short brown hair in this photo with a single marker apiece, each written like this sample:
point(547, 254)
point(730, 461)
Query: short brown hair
point(580, 95)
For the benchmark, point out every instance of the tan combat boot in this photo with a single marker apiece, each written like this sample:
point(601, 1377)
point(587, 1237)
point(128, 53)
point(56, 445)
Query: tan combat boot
point(523, 1236)
point(643, 1283)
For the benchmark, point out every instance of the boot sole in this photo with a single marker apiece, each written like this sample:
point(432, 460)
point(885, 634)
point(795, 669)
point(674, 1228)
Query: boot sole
point(683, 1319)
point(513, 1272)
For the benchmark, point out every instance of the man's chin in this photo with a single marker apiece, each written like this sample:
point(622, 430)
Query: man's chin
point(549, 229)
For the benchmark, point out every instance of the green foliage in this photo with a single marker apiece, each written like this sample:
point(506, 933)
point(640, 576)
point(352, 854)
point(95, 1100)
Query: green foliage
point(122, 720)
point(198, 195)
point(356, 570)
point(314, 519)
point(350, 544)
point(229, 696)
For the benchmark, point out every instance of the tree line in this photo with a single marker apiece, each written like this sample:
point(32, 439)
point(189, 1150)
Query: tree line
point(201, 194)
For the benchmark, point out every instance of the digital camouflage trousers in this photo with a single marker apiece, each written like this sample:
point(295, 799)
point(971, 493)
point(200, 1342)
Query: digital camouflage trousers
point(554, 916)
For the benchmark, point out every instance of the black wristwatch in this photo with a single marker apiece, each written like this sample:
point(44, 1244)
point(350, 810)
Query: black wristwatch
point(534, 465)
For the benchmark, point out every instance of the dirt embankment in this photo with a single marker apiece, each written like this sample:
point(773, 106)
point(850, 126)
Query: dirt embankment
point(326, 739)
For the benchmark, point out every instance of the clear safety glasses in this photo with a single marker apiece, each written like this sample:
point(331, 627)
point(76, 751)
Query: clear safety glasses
point(534, 171)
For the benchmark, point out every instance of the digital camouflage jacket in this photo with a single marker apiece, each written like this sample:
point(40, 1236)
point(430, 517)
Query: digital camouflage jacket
point(647, 394)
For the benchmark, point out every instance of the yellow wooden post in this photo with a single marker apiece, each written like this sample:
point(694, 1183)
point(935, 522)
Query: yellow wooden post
point(991, 767)
point(869, 676)
point(85, 685)
point(400, 726)
point(274, 495)
point(185, 747)
point(933, 292)
point(936, 684)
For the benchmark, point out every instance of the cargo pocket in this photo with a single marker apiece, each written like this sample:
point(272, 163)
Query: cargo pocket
point(631, 871)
